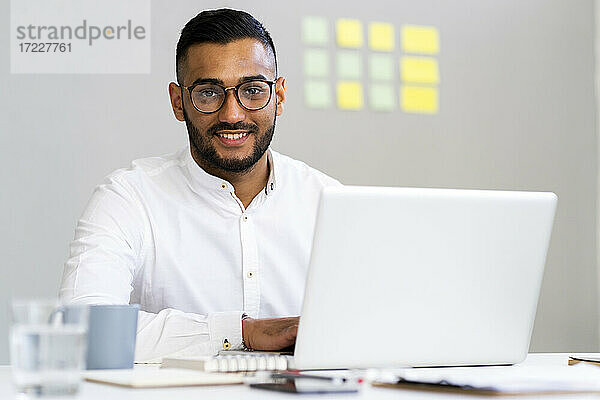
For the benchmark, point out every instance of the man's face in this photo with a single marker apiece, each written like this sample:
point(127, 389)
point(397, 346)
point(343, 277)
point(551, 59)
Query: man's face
point(229, 65)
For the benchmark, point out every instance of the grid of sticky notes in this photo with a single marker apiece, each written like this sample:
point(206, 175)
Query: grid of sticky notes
point(365, 69)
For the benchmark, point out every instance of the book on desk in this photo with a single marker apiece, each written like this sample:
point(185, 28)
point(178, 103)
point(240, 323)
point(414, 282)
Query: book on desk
point(232, 362)
point(157, 378)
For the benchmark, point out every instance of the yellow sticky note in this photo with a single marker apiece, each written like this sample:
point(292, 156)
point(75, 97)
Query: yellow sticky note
point(349, 33)
point(349, 95)
point(381, 36)
point(419, 99)
point(419, 70)
point(420, 39)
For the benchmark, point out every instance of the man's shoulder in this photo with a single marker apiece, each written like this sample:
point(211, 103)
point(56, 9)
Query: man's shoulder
point(296, 169)
point(148, 167)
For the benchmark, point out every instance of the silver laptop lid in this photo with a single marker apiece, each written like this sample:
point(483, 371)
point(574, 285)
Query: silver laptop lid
point(422, 277)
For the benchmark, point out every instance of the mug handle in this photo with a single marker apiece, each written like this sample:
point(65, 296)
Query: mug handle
point(52, 318)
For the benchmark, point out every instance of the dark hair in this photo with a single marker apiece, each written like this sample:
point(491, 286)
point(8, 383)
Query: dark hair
point(220, 26)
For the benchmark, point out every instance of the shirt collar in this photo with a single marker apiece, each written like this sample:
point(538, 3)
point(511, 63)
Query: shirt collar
point(205, 181)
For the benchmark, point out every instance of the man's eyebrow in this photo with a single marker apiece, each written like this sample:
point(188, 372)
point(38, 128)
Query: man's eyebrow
point(220, 82)
point(252, 78)
point(207, 80)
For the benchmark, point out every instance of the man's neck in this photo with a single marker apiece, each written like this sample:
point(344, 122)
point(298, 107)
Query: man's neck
point(247, 184)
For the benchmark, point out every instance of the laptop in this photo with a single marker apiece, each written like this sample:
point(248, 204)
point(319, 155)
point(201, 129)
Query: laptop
point(423, 277)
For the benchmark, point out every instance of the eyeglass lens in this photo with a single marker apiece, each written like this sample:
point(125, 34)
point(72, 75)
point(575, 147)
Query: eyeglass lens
point(252, 95)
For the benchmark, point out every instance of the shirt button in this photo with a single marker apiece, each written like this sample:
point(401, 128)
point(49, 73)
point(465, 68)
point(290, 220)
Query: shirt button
point(245, 218)
point(223, 186)
point(250, 274)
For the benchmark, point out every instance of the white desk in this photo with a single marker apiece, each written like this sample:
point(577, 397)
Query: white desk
point(94, 391)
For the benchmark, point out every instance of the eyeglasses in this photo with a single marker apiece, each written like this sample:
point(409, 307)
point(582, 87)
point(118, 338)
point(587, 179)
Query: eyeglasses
point(210, 97)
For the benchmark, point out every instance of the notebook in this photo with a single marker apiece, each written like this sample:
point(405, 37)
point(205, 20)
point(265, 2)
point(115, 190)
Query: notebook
point(154, 378)
point(237, 362)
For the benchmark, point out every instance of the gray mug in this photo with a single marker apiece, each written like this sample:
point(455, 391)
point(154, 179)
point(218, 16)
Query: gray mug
point(111, 335)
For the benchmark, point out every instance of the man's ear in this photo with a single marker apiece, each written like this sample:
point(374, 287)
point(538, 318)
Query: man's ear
point(280, 94)
point(175, 92)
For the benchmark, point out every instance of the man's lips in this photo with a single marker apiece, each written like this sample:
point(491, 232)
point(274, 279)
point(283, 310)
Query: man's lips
point(231, 131)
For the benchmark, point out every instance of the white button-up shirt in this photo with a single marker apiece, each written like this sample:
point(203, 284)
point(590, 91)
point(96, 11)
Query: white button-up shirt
point(176, 240)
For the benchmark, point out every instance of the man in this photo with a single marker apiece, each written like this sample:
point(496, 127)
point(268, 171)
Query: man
point(213, 241)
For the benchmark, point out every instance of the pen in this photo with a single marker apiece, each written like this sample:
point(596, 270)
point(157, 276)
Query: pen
point(291, 375)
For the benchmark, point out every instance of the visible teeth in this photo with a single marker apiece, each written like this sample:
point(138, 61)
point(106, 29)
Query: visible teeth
point(233, 136)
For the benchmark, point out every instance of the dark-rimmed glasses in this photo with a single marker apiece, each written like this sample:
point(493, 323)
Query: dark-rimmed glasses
point(252, 95)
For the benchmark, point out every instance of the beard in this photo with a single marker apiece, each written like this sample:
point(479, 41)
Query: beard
point(205, 149)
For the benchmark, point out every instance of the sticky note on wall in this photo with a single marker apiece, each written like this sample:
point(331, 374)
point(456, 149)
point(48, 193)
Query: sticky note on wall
point(317, 94)
point(420, 39)
point(315, 31)
point(419, 99)
point(382, 97)
point(419, 70)
point(349, 95)
point(381, 67)
point(349, 33)
point(316, 63)
point(381, 36)
point(348, 64)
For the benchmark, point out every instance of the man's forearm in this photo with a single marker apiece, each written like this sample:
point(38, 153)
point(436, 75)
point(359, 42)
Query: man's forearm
point(270, 334)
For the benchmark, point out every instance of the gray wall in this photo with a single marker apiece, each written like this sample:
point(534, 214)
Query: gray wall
point(517, 111)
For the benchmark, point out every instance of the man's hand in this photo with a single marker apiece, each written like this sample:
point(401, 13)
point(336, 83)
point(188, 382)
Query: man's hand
point(270, 333)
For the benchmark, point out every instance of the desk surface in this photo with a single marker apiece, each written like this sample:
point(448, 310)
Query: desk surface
point(93, 391)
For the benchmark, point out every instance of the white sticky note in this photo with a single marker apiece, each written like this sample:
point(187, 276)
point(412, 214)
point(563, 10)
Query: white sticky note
point(382, 97)
point(381, 67)
point(317, 94)
point(315, 31)
point(348, 64)
point(316, 63)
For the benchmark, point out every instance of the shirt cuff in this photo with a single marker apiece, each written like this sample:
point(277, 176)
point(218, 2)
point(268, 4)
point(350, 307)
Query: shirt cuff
point(225, 330)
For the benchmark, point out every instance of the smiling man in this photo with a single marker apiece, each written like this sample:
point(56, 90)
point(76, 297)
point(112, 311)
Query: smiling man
point(213, 241)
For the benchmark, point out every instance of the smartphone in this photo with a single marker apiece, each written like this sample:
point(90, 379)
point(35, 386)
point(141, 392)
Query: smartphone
point(308, 385)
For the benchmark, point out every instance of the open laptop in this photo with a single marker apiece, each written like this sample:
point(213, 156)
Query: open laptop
point(423, 277)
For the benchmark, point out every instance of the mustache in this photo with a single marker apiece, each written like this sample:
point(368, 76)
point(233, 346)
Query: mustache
point(224, 126)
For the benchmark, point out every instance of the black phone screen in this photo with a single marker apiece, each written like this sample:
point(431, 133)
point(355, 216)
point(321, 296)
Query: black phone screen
point(304, 385)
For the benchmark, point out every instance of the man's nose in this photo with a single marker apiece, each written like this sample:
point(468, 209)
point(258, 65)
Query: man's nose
point(231, 111)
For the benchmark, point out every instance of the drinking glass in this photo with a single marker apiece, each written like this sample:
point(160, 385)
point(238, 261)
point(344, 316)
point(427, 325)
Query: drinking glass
point(47, 353)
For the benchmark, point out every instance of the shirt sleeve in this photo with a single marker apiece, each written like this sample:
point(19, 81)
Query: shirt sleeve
point(174, 333)
point(106, 251)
